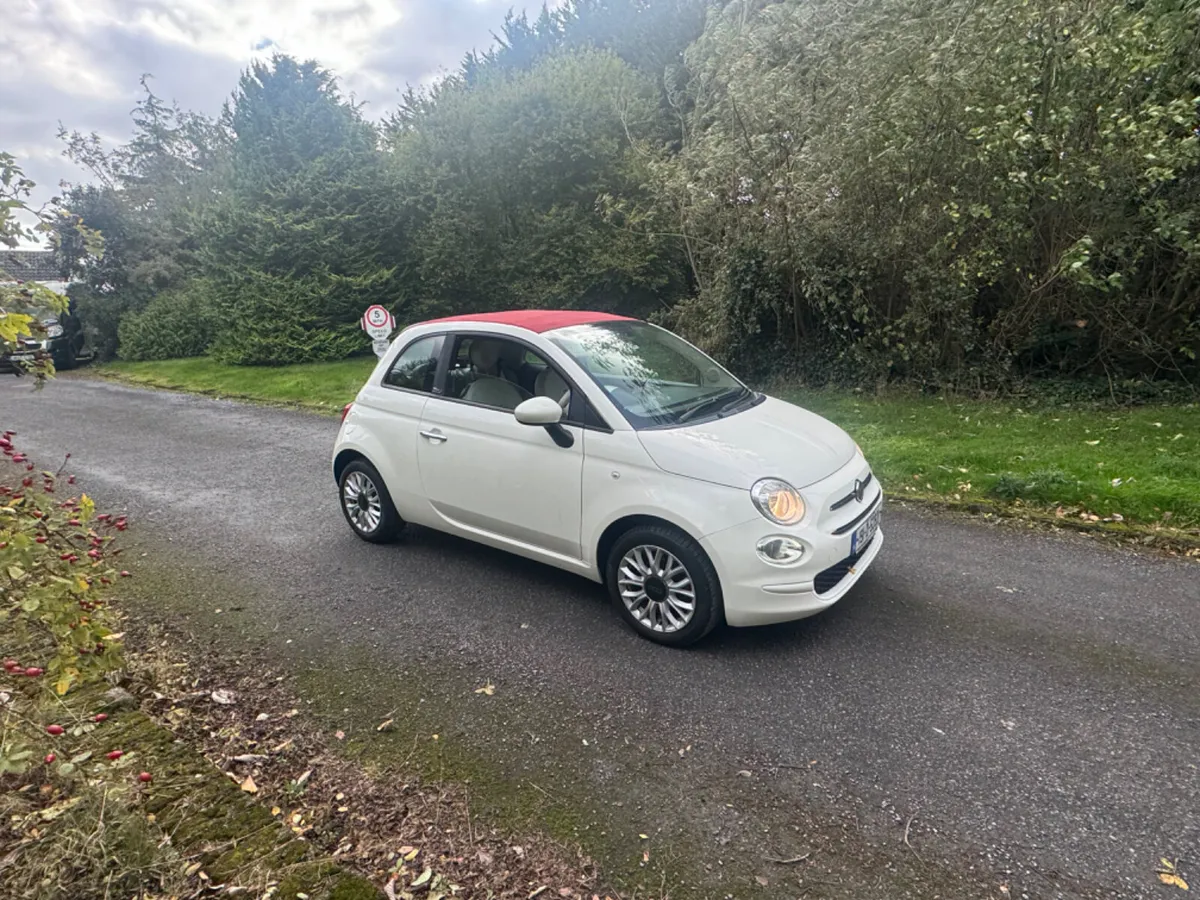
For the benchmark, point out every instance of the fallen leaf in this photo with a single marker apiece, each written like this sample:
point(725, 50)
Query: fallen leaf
point(537, 892)
point(1173, 879)
point(423, 878)
point(224, 697)
point(340, 735)
point(745, 773)
point(384, 725)
point(762, 880)
point(249, 786)
point(1091, 443)
point(487, 689)
point(645, 856)
point(644, 837)
point(261, 717)
point(275, 810)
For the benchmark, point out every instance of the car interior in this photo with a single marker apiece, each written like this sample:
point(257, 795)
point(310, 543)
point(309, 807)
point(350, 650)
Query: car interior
point(502, 373)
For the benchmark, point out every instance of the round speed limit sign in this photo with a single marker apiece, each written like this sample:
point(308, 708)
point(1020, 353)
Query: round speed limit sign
point(378, 322)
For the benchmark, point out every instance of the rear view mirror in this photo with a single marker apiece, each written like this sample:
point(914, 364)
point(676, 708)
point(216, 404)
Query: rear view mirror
point(539, 411)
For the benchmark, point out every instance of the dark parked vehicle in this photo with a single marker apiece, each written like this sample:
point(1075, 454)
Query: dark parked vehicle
point(61, 336)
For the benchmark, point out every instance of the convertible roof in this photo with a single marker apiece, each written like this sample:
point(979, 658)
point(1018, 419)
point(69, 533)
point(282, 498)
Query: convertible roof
point(537, 320)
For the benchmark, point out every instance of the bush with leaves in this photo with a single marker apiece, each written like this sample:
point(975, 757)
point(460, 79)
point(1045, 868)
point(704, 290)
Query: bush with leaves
point(176, 323)
point(24, 306)
point(56, 565)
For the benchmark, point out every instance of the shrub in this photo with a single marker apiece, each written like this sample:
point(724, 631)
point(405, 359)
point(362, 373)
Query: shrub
point(174, 324)
point(56, 569)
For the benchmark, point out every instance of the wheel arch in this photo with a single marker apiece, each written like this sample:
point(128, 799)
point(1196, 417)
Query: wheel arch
point(612, 533)
point(343, 459)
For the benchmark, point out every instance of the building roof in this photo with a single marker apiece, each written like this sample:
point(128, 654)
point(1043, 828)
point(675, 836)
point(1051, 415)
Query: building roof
point(31, 265)
point(537, 320)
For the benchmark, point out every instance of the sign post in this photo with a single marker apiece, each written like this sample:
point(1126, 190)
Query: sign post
point(379, 324)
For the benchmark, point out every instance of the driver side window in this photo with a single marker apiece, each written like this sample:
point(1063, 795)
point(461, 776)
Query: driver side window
point(502, 374)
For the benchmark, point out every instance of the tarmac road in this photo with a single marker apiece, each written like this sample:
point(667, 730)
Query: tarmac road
point(992, 712)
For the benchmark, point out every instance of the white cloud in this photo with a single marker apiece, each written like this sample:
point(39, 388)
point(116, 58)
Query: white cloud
point(78, 61)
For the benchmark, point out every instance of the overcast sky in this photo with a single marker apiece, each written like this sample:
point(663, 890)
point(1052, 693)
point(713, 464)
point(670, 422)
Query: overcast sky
point(78, 61)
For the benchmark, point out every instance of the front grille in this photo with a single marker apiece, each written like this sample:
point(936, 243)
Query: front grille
point(830, 578)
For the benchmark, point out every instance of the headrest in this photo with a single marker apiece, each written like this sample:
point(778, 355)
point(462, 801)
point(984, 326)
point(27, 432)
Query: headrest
point(485, 354)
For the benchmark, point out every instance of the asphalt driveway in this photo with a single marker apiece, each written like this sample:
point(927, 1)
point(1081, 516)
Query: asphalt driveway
point(990, 712)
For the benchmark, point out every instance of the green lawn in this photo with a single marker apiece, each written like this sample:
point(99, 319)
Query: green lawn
point(328, 385)
point(1140, 464)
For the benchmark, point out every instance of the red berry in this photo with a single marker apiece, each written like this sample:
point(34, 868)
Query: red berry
point(41, 539)
point(29, 467)
point(50, 757)
point(100, 717)
point(64, 556)
point(34, 671)
point(55, 730)
point(70, 479)
point(94, 554)
point(125, 574)
point(26, 482)
point(115, 754)
point(10, 663)
point(74, 522)
point(145, 777)
point(103, 517)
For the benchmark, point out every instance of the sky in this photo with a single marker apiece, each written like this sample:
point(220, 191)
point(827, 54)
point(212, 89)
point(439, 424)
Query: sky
point(78, 61)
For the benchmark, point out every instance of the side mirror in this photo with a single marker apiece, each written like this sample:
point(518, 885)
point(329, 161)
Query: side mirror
point(538, 411)
point(545, 412)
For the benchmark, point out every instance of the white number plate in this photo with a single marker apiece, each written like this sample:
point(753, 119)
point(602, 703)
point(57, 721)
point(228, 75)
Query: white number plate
point(864, 532)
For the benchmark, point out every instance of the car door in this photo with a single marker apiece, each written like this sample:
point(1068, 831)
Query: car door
point(390, 412)
point(486, 474)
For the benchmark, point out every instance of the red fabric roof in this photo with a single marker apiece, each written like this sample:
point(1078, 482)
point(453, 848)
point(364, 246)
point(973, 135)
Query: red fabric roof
point(537, 320)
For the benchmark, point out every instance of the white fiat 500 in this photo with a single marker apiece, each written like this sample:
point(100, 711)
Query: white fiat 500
point(612, 448)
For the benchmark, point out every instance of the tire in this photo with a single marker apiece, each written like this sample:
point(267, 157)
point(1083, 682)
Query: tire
point(64, 360)
point(369, 494)
point(639, 557)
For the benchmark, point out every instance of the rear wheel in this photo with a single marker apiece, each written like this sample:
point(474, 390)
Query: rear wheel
point(366, 504)
point(664, 585)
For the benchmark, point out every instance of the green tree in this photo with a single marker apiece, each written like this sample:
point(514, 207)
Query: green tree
point(146, 197)
point(506, 180)
point(295, 250)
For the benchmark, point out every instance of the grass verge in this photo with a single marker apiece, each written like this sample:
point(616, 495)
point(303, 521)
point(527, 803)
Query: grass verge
point(1136, 467)
point(1105, 467)
point(324, 386)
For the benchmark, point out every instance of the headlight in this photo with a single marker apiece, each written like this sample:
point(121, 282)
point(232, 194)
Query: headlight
point(778, 501)
point(54, 330)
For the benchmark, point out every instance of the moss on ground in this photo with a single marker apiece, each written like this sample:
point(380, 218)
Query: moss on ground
point(207, 818)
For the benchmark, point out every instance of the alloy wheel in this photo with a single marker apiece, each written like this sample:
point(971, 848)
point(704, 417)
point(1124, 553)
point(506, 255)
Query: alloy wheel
point(656, 588)
point(361, 499)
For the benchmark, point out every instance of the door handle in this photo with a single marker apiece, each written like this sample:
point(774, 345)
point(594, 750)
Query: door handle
point(436, 436)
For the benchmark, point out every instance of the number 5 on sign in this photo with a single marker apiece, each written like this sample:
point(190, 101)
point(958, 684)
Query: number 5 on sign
point(378, 323)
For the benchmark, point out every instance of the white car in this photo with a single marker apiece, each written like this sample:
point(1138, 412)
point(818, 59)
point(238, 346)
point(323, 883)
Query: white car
point(610, 447)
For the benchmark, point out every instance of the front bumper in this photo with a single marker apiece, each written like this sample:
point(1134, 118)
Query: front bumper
point(759, 593)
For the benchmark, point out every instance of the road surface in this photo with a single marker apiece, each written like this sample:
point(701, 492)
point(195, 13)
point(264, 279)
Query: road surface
point(991, 712)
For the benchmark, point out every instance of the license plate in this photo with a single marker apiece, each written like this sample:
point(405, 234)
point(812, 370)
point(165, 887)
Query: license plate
point(21, 357)
point(864, 532)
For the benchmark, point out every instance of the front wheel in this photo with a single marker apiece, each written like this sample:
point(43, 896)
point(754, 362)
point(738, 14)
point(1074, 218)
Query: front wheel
point(664, 586)
point(366, 504)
